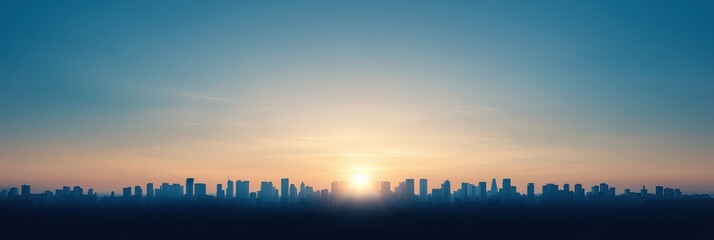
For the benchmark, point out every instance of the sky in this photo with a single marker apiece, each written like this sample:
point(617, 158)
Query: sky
point(108, 94)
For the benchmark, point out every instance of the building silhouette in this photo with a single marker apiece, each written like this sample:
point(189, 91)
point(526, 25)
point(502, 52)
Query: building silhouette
point(137, 192)
point(483, 190)
point(266, 195)
point(189, 187)
point(200, 189)
point(531, 192)
point(446, 191)
point(423, 188)
point(229, 189)
point(126, 192)
point(506, 190)
point(284, 190)
point(335, 187)
point(579, 192)
point(169, 191)
point(220, 193)
point(409, 190)
point(149, 190)
point(242, 190)
point(385, 188)
point(659, 192)
point(26, 191)
point(77, 191)
point(13, 192)
point(293, 195)
point(494, 188)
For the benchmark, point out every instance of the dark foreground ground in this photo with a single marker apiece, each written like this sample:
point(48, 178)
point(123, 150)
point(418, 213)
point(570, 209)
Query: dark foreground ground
point(650, 221)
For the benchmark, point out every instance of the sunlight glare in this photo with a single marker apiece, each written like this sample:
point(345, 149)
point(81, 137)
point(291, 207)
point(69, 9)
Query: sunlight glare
point(360, 180)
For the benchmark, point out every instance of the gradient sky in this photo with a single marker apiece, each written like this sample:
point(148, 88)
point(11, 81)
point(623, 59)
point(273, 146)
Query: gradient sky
point(107, 94)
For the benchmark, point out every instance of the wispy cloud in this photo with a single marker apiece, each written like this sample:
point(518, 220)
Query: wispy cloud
point(469, 110)
point(459, 111)
point(196, 95)
point(275, 109)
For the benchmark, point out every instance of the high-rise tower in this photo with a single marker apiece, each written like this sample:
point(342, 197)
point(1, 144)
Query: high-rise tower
point(494, 187)
point(284, 190)
point(189, 187)
point(229, 189)
point(422, 189)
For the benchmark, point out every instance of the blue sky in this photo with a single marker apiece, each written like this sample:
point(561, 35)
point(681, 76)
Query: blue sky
point(517, 88)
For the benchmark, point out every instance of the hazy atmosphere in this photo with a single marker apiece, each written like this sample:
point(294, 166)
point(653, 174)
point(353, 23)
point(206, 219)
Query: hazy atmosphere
point(110, 94)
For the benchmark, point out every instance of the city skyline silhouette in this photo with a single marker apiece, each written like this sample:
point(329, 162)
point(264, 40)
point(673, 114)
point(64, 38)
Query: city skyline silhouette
point(367, 183)
point(377, 208)
point(405, 192)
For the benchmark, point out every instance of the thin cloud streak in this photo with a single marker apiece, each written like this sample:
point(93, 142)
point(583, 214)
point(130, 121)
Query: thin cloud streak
point(195, 95)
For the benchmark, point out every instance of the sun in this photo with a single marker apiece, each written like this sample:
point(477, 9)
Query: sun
point(360, 180)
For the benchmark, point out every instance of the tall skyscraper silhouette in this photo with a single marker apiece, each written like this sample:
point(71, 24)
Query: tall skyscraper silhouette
point(265, 195)
point(324, 197)
point(604, 190)
point(138, 192)
point(229, 189)
point(446, 190)
point(25, 191)
point(506, 190)
point(465, 191)
point(150, 190)
point(335, 187)
point(594, 192)
point(613, 191)
point(531, 192)
point(242, 190)
point(483, 189)
point(126, 192)
point(220, 193)
point(579, 192)
point(409, 189)
point(659, 192)
point(301, 195)
point(77, 191)
point(385, 188)
point(292, 198)
point(494, 188)
point(189, 187)
point(423, 189)
point(284, 190)
point(549, 192)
